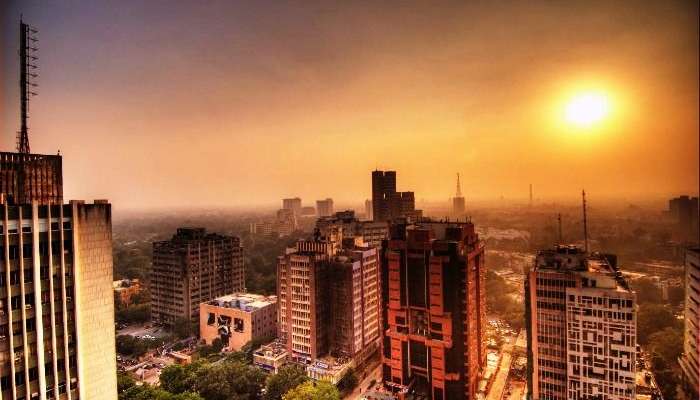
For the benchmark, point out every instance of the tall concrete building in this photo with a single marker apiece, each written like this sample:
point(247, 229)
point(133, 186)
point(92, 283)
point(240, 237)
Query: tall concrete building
point(581, 324)
point(192, 268)
point(324, 208)
point(293, 204)
point(368, 210)
point(328, 298)
point(387, 203)
point(691, 336)
point(433, 310)
point(372, 233)
point(57, 311)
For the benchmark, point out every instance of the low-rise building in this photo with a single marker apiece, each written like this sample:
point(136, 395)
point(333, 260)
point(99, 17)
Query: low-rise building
point(237, 319)
point(126, 289)
point(271, 357)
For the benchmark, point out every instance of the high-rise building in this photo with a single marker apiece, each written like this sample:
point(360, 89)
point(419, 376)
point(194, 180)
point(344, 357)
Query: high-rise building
point(286, 222)
point(57, 312)
point(684, 211)
point(192, 268)
point(691, 335)
point(368, 210)
point(458, 203)
point(328, 298)
point(372, 233)
point(387, 203)
point(28, 177)
point(581, 324)
point(433, 310)
point(324, 208)
point(293, 204)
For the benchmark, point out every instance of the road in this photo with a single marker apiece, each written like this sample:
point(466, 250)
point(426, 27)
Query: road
point(499, 382)
point(375, 374)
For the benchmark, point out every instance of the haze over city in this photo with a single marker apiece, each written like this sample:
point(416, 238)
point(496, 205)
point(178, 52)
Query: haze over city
point(173, 104)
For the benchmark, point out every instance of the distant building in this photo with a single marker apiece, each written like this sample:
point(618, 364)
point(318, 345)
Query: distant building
point(581, 321)
point(293, 204)
point(368, 210)
point(433, 280)
point(308, 212)
point(192, 268)
point(328, 300)
point(691, 335)
point(237, 319)
point(387, 203)
point(263, 228)
point(126, 289)
point(324, 207)
point(684, 211)
point(286, 222)
point(372, 233)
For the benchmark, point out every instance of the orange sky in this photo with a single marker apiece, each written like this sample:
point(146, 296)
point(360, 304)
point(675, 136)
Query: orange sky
point(168, 104)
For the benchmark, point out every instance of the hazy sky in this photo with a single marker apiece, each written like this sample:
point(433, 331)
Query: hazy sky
point(170, 103)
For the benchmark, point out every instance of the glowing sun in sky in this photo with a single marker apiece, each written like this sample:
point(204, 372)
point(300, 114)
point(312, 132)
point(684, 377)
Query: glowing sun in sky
point(587, 109)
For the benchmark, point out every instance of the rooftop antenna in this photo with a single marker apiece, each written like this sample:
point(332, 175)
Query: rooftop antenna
point(28, 75)
point(561, 238)
point(459, 187)
point(585, 222)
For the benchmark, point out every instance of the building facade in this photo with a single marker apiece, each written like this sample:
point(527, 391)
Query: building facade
point(192, 268)
point(581, 323)
point(28, 177)
point(372, 233)
point(328, 299)
point(237, 319)
point(324, 208)
point(691, 335)
point(433, 310)
point(293, 204)
point(56, 302)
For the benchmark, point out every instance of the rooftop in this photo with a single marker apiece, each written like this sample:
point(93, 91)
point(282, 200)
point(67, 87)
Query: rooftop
point(247, 302)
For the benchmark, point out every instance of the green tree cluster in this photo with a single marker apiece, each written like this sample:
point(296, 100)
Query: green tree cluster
point(313, 391)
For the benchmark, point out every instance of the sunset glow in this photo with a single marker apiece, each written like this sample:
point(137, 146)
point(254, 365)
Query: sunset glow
point(587, 109)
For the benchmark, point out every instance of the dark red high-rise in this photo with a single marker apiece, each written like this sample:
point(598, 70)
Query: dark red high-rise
point(433, 310)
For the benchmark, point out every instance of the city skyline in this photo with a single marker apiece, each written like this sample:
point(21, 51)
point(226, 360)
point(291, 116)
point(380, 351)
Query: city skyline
point(488, 99)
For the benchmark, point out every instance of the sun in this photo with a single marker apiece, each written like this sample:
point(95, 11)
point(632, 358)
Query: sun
point(587, 109)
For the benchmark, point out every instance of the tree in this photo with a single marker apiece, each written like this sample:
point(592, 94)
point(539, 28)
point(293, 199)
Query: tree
point(124, 381)
point(667, 343)
point(130, 346)
point(183, 328)
point(148, 392)
point(180, 378)
point(287, 378)
point(647, 291)
point(310, 391)
point(229, 381)
point(652, 318)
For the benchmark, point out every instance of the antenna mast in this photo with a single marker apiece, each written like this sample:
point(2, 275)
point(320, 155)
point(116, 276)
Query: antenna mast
point(585, 222)
point(27, 58)
point(561, 239)
point(459, 187)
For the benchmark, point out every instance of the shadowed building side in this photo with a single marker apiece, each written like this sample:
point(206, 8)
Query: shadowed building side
point(28, 177)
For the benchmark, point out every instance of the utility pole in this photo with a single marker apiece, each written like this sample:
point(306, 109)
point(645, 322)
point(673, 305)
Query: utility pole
point(27, 75)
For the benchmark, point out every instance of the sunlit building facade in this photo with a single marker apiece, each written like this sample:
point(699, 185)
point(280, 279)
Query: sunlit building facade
point(691, 316)
point(433, 310)
point(581, 323)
